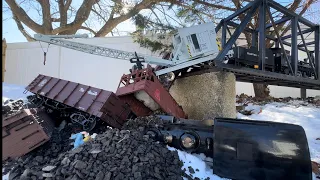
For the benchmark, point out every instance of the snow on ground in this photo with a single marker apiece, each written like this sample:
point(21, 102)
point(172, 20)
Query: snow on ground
point(5, 177)
point(197, 163)
point(12, 91)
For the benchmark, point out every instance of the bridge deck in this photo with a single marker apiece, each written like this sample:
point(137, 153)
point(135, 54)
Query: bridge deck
point(257, 76)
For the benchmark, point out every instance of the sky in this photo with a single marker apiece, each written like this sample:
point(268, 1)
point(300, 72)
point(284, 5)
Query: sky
point(11, 33)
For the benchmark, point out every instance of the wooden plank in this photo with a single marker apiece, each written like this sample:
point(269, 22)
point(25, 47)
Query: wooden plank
point(4, 47)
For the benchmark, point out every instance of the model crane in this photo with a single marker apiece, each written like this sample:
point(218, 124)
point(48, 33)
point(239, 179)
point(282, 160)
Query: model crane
point(192, 46)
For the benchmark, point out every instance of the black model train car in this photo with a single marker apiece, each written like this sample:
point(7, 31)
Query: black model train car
point(249, 57)
point(275, 60)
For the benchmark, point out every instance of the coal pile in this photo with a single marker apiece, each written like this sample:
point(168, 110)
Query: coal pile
point(114, 154)
point(141, 122)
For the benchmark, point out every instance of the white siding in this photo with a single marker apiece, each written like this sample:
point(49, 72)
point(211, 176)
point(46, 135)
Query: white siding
point(24, 61)
point(23, 64)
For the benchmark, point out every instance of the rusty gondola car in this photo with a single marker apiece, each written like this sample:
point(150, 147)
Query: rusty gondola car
point(81, 103)
point(24, 131)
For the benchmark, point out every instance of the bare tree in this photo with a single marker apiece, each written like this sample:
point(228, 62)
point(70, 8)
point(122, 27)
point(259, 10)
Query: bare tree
point(99, 17)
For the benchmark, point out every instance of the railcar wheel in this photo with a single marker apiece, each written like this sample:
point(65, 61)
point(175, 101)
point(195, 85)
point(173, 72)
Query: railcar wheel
point(89, 125)
point(304, 74)
point(286, 71)
point(299, 74)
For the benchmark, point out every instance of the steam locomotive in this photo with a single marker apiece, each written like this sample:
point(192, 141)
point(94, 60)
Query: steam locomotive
point(275, 61)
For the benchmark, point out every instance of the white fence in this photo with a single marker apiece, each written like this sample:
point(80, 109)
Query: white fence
point(24, 61)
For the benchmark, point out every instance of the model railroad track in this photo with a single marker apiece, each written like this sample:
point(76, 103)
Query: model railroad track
point(255, 76)
point(249, 75)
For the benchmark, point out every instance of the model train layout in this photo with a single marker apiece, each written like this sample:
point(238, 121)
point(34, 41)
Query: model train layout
point(249, 149)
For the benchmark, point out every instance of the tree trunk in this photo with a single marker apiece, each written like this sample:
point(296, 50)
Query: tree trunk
point(261, 91)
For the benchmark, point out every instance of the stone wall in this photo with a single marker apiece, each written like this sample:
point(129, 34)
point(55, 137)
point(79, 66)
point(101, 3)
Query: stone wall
point(207, 95)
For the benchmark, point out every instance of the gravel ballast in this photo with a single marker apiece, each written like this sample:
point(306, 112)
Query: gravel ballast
point(113, 154)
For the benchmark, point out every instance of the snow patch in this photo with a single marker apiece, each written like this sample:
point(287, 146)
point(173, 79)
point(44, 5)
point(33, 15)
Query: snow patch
point(12, 91)
point(5, 177)
point(197, 163)
point(253, 108)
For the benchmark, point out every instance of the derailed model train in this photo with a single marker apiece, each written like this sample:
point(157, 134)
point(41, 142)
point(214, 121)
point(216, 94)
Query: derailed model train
point(241, 149)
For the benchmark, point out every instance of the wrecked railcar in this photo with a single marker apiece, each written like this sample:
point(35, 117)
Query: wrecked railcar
point(24, 131)
point(81, 103)
point(143, 91)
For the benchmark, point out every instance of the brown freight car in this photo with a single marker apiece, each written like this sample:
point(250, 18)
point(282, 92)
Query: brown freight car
point(85, 104)
point(24, 131)
point(144, 93)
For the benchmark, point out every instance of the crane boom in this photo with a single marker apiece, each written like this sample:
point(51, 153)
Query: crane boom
point(192, 45)
point(96, 50)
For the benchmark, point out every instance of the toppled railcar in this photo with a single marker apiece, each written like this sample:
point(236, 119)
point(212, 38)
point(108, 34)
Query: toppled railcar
point(24, 131)
point(143, 91)
point(81, 103)
point(241, 149)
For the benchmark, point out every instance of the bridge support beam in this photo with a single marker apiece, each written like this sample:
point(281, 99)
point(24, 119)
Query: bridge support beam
point(303, 93)
point(262, 35)
point(294, 47)
point(206, 96)
point(317, 51)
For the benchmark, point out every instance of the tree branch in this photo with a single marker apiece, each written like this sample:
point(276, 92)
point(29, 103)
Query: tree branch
point(241, 16)
point(63, 13)
point(99, 14)
point(23, 17)
point(215, 5)
point(293, 8)
point(67, 5)
point(55, 19)
point(81, 16)
point(157, 17)
point(21, 28)
point(88, 29)
point(165, 15)
point(46, 15)
point(304, 9)
point(191, 9)
point(116, 2)
point(113, 22)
